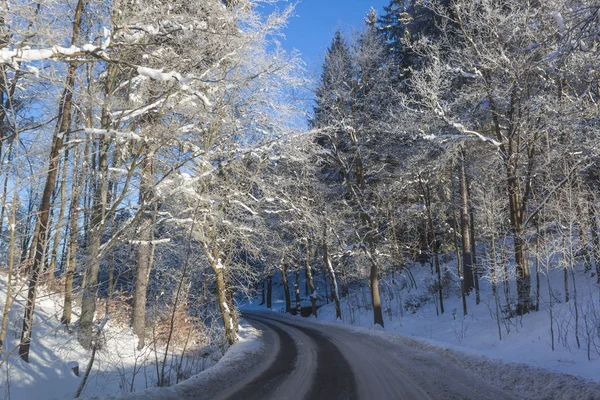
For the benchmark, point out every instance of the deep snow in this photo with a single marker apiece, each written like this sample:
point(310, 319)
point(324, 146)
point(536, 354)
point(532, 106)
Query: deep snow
point(118, 367)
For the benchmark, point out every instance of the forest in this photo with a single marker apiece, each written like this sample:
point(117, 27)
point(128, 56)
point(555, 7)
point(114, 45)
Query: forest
point(160, 165)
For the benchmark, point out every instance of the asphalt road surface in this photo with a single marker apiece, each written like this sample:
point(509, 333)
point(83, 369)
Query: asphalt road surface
point(312, 361)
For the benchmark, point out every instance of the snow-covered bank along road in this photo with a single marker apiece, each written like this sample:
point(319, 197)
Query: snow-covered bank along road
point(297, 358)
point(241, 363)
point(316, 361)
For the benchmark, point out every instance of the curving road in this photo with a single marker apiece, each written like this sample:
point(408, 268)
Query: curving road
point(312, 361)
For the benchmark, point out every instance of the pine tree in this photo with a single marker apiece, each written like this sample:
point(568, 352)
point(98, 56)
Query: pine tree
point(346, 113)
point(333, 95)
point(403, 23)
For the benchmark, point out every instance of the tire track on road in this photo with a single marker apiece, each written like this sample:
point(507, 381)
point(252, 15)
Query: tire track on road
point(333, 376)
point(265, 385)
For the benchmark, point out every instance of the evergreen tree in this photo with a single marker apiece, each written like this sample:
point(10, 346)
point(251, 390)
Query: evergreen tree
point(403, 23)
point(333, 95)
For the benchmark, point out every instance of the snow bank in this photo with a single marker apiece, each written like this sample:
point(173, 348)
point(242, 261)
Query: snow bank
point(242, 357)
point(522, 362)
point(56, 355)
point(524, 381)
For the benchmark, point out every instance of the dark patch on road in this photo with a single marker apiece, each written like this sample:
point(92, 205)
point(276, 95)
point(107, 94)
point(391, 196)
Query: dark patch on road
point(334, 378)
point(265, 385)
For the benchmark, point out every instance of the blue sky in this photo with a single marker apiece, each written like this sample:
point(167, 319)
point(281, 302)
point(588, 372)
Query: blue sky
point(311, 30)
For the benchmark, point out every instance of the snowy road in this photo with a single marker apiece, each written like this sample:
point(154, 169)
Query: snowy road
point(313, 361)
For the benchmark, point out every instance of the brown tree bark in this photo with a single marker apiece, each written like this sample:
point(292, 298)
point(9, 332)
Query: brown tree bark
point(144, 257)
point(522, 268)
point(517, 206)
point(375, 297)
point(63, 126)
point(88, 300)
point(226, 312)
point(96, 223)
point(61, 216)
point(9, 275)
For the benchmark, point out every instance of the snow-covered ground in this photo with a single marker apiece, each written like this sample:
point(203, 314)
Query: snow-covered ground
point(118, 367)
point(240, 358)
point(521, 380)
point(522, 362)
point(527, 340)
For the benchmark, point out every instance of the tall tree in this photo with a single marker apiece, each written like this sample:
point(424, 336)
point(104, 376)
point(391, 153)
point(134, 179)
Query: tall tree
point(62, 127)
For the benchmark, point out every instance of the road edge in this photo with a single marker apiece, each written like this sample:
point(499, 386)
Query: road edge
point(521, 380)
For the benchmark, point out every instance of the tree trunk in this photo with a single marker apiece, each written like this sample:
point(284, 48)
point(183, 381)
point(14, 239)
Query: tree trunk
point(523, 276)
point(262, 293)
point(494, 271)
point(226, 316)
point(595, 239)
point(537, 263)
point(306, 287)
point(565, 270)
point(310, 282)
point(270, 291)
point(505, 278)
point(332, 280)
point(457, 247)
point(71, 262)
point(375, 298)
point(297, 288)
point(520, 246)
point(229, 294)
point(434, 246)
point(88, 301)
point(286, 288)
point(61, 216)
point(144, 265)
point(29, 255)
point(11, 263)
point(325, 275)
point(97, 220)
point(476, 268)
point(141, 284)
point(63, 125)
point(27, 235)
point(465, 227)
